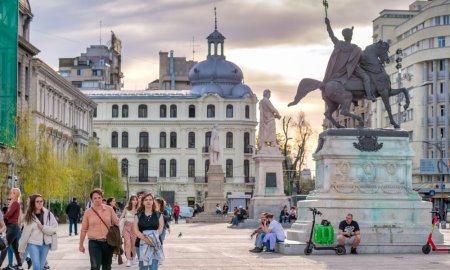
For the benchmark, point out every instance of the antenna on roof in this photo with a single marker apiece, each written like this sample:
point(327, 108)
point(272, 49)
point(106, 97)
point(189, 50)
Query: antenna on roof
point(100, 32)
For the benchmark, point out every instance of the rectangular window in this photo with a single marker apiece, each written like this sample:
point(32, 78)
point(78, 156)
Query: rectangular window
point(437, 20)
point(441, 88)
point(79, 72)
point(441, 42)
point(441, 65)
point(446, 19)
point(431, 133)
point(442, 110)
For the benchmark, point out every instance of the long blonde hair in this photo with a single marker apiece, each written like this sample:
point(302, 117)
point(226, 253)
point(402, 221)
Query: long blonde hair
point(16, 192)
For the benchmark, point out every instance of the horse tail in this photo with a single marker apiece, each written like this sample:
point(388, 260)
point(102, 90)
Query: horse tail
point(304, 87)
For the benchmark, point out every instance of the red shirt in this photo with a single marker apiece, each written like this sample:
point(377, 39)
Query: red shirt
point(176, 210)
point(12, 215)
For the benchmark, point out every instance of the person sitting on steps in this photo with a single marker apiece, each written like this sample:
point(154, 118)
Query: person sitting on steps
point(349, 233)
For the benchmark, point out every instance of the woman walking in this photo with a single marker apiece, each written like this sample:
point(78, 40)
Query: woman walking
point(148, 225)
point(12, 229)
point(39, 232)
point(129, 238)
point(94, 227)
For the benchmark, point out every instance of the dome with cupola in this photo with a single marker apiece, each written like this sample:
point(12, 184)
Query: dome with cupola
point(216, 74)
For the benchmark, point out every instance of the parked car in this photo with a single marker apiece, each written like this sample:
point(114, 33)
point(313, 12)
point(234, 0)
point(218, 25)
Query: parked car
point(186, 211)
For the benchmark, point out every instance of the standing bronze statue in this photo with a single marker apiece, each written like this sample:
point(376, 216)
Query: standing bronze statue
point(352, 75)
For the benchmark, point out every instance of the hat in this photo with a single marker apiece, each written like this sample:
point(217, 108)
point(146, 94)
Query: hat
point(240, 206)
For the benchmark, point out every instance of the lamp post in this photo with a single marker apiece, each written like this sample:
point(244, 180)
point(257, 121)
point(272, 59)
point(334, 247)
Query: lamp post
point(398, 59)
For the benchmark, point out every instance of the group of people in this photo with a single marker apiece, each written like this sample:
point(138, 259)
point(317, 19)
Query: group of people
point(29, 236)
point(288, 215)
point(270, 232)
point(143, 224)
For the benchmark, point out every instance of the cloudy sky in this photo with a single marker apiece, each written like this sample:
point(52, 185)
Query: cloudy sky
point(275, 42)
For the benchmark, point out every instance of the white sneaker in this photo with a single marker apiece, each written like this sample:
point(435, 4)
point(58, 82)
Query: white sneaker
point(135, 261)
point(128, 263)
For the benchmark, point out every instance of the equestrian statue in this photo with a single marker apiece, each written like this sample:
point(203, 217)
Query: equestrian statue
point(352, 74)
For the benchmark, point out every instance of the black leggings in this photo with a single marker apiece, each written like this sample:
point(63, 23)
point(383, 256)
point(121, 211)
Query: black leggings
point(12, 236)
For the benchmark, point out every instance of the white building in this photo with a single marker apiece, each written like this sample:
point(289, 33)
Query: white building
point(423, 34)
point(161, 136)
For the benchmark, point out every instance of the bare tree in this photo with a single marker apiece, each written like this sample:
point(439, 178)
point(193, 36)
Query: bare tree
point(293, 145)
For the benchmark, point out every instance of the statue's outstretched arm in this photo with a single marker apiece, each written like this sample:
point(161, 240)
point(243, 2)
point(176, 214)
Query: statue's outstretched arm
point(330, 31)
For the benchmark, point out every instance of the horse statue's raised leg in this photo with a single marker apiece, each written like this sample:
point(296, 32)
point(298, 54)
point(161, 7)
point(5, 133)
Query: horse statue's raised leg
point(331, 108)
point(387, 106)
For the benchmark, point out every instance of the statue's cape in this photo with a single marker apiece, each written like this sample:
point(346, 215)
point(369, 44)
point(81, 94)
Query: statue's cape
point(343, 61)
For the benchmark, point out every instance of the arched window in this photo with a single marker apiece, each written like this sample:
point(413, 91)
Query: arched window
point(125, 111)
point(207, 138)
point(124, 167)
point(229, 140)
point(173, 140)
point(210, 111)
point(173, 168)
point(162, 140)
point(229, 168)
point(162, 168)
point(229, 111)
point(173, 111)
point(191, 139)
point(114, 140)
point(143, 140)
point(191, 111)
point(206, 167)
point(124, 139)
point(191, 168)
point(143, 170)
point(247, 147)
point(142, 111)
point(163, 111)
point(247, 112)
point(115, 111)
point(247, 170)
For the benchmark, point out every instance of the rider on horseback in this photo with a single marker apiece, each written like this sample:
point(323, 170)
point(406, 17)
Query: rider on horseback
point(344, 61)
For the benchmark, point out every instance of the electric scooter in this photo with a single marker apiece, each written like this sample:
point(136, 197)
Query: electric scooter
point(426, 249)
point(310, 245)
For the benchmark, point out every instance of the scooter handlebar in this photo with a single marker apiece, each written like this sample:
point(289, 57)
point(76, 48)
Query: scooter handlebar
point(315, 211)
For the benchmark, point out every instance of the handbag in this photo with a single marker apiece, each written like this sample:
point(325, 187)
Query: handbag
point(113, 237)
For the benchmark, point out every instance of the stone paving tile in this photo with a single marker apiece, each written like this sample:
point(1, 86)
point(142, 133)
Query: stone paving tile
point(214, 246)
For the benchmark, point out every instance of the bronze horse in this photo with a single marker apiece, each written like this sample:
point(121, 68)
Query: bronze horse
point(336, 95)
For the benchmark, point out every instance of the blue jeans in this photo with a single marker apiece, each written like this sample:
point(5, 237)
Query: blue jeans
point(10, 255)
point(38, 255)
point(153, 266)
point(259, 240)
point(267, 244)
point(235, 221)
point(74, 222)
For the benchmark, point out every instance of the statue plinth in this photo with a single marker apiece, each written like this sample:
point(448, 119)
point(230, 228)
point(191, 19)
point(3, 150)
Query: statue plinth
point(269, 183)
point(215, 188)
point(368, 173)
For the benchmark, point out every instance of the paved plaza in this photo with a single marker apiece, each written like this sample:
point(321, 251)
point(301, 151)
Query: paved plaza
point(214, 246)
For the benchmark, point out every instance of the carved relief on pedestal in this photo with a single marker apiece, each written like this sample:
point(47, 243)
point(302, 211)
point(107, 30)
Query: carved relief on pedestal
point(342, 182)
point(368, 173)
point(391, 170)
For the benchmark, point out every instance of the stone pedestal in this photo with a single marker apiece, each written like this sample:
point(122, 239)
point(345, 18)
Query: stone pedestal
point(215, 196)
point(269, 185)
point(367, 173)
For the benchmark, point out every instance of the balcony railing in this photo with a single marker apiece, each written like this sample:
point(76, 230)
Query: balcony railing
point(143, 149)
point(249, 179)
point(143, 179)
point(201, 179)
point(248, 149)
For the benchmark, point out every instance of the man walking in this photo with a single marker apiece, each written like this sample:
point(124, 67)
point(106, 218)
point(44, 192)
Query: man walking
point(176, 212)
point(73, 212)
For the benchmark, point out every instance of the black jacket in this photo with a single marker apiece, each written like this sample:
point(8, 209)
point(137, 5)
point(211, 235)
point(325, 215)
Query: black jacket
point(73, 210)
